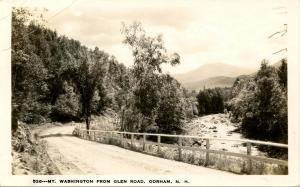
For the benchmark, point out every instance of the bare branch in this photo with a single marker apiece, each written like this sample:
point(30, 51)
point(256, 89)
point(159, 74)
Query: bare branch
point(283, 32)
point(274, 34)
point(278, 8)
point(284, 49)
point(284, 12)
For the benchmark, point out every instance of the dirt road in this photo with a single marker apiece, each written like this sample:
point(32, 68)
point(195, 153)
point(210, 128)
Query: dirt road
point(76, 156)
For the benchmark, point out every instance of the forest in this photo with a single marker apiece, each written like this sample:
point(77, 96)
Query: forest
point(56, 78)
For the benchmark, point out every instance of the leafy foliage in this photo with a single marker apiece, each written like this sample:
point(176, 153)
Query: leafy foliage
point(29, 74)
point(170, 111)
point(210, 101)
point(67, 106)
point(155, 99)
point(57, 78)
point(282, 73)
point(86, 75)
point(260, 103)
point(51, 73)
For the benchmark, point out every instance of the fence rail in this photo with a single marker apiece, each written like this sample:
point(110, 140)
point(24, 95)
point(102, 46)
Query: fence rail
point(94, 133)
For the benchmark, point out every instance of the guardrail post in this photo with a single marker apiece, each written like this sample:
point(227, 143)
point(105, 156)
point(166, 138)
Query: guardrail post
point(105, 137)
point(249, 159)
point(207, 152)
point(158, 144)
point(131, 141)
point(122, 140)
point(193, 156)
point(180, 149)
point(144, 142)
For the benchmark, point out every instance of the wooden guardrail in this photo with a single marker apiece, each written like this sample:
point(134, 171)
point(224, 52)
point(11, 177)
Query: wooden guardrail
point(93, 134)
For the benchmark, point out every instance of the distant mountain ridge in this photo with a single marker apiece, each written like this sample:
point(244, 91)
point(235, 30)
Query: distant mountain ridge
point(219, 81)
point(212, 75)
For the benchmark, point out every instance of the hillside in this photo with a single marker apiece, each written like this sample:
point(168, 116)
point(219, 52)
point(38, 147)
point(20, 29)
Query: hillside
point(278, 63)
point(212, 70)
point(212, 75)
point(219, 81)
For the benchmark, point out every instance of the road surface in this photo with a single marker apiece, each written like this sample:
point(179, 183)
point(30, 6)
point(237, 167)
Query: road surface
point(73, 156)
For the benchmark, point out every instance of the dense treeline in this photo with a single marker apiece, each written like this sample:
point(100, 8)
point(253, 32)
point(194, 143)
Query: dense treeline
point(210, 101)
point(260, 103)
point(155, 102)
point(55, 78)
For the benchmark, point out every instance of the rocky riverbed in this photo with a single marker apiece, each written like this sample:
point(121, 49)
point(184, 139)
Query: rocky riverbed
point(218, 126)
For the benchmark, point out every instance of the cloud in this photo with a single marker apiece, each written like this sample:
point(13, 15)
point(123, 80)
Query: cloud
point(234, 32)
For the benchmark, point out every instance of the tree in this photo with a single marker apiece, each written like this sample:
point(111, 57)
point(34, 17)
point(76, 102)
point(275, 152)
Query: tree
point(86, 75)
point(19, 57)
point(45, 69)
point(170, 111)
point(66, 107)
point(149, 54)
point(210, 101)
point(261, 105)
point(243, 92)
point(29, 74)
point(270, 101)
point(282, 73)
point(203, 101)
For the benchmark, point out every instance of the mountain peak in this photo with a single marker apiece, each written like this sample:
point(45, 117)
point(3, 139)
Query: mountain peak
point(210, 70)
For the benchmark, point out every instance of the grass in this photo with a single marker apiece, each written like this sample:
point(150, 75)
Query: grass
point(38, 161)
point(35, 162)
point(29, 154)
point(232, 164)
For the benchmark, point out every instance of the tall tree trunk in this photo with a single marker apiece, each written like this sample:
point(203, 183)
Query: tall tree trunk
point(122, 120)
point(87, 122)
point(87, 115)
point(14, 119)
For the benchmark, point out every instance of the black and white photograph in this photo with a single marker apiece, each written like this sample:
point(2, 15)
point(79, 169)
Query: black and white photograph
point(151, 88)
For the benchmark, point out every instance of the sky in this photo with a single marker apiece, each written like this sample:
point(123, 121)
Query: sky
point(202, 31)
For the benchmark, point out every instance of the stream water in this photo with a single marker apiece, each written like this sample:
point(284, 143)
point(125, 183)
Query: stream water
point(219, 126)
